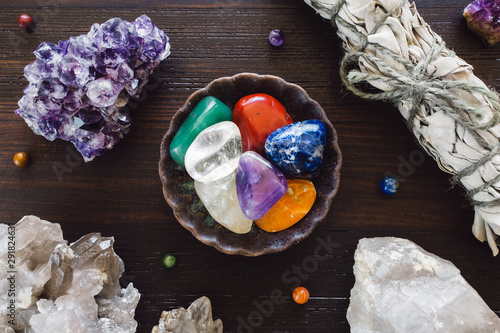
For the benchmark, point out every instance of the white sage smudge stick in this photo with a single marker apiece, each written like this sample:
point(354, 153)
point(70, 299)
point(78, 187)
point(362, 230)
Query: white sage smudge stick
point(393, 55)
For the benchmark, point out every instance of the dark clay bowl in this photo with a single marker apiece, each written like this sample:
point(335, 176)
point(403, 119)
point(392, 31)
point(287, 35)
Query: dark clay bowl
point(178, 187)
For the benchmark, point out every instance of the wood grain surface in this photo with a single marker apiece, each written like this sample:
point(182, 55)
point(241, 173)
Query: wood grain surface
point(120, 194)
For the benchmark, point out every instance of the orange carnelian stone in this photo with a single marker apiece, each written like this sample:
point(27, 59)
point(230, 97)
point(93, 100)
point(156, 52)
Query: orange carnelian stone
point(257, 116)
point(293, 206)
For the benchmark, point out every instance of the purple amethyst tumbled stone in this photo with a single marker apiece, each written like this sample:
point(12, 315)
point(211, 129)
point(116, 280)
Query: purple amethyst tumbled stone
point(259, 185)
point(79, 88)
point(483, 17)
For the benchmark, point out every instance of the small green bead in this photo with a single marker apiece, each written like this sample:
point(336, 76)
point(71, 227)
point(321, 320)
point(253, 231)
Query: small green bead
point(169, 261)
point(209, 111)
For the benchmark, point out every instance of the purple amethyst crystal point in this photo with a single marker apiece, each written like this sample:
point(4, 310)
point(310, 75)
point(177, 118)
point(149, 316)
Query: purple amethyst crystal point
point(103, 92)
point(259, 185)
point(79, 88)
point(483, 17)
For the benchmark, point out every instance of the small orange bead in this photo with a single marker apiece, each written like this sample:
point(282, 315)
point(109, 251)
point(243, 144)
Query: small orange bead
point(21, 159)
point(300, 295)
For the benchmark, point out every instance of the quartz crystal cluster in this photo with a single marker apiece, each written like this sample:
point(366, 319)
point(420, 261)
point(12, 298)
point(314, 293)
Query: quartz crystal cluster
point(483, 17)
point(239, 160)
point(62, 288)
point(402, 288)
point(79, 88)
point(196, 319)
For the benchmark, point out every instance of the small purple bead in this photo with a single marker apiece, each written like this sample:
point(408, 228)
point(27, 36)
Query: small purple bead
point(276, 37)
point(259, 185)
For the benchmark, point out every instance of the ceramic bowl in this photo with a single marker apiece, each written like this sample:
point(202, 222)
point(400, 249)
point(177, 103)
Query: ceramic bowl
point(178, 187)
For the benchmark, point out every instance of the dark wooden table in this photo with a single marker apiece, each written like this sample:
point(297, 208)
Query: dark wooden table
point(120, 194)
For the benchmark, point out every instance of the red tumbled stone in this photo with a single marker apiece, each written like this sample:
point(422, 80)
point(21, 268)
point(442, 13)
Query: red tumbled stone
point(257, 116)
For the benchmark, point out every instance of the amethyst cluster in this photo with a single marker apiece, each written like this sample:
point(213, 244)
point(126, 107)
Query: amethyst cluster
point(483, 17)
point(78, 89)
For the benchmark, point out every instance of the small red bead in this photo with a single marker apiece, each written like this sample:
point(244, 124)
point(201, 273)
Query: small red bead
point(25, 22)
point(300, 295)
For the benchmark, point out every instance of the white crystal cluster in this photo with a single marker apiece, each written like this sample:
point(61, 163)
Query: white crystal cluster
point(402, 288)
point(60, 287)
point(196, 319)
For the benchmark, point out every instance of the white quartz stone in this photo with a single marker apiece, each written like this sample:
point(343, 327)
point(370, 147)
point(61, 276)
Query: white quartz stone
point(214, 153)
point(402, 288)
point(221, 200)
point(196, 319)
point(63, 288)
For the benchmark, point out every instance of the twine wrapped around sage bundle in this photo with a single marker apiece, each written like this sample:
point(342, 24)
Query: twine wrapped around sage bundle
point(393, 55)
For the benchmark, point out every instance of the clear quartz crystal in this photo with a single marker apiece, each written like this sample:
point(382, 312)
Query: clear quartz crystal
point(402, 288)
point(214, 153)
point(61, 288)
point(196, 319)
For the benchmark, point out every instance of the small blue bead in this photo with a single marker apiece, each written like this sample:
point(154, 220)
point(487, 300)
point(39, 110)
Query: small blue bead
point(389, 185)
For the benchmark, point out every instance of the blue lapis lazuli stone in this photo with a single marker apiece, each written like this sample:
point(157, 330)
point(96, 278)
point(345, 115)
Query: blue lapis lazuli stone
point(297, 148)
point(389, 185)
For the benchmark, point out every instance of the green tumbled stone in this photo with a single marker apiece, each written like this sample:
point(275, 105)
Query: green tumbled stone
point(207, 112)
